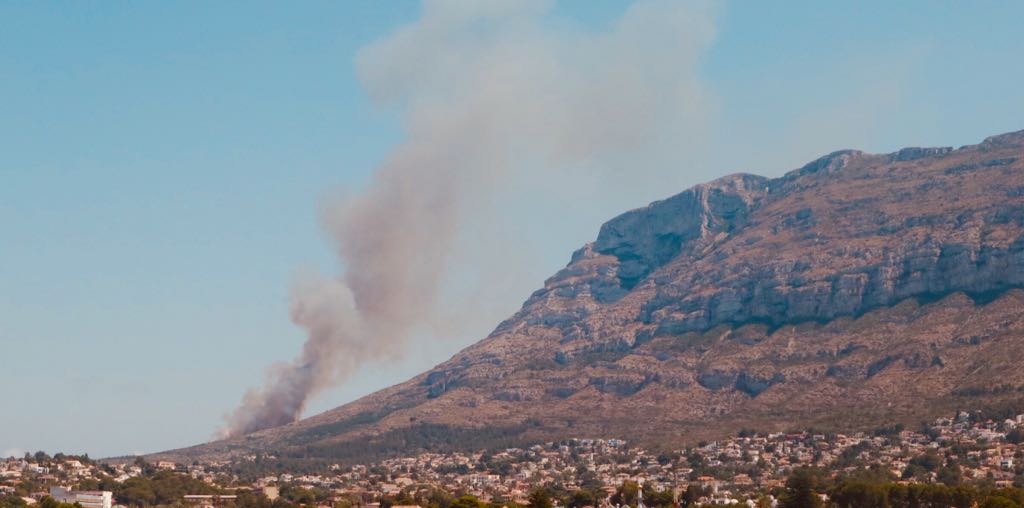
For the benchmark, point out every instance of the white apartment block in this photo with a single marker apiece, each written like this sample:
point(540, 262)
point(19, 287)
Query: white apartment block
point(86, 498)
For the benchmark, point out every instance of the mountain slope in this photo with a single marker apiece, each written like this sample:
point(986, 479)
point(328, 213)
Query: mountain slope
point(857, 290)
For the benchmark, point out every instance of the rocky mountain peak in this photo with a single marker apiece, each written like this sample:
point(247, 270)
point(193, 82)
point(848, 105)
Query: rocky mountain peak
point(646, 238)
point(1007, 140)
point(853, 291)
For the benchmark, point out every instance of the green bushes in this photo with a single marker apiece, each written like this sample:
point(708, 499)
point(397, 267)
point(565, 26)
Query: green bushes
point(864, 494)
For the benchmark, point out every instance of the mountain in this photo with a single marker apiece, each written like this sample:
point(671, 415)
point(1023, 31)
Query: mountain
point(856, 291)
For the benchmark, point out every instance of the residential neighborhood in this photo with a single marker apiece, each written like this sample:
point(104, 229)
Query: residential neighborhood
point(963, 449)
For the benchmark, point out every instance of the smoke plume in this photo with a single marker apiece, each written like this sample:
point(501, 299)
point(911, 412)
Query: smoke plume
point(489, 93)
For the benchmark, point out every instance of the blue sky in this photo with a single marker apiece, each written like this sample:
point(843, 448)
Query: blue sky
point(161, 166)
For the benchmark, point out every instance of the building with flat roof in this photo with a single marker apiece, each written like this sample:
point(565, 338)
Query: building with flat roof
point(86, 498)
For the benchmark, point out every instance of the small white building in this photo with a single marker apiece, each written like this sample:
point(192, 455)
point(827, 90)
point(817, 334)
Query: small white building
point(86, 498)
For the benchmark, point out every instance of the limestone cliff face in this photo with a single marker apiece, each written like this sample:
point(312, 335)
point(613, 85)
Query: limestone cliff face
point(857, 289)
point(746, 249)
point(686, 224)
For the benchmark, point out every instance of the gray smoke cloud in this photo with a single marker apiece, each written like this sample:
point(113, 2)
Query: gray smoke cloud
point(489, 93)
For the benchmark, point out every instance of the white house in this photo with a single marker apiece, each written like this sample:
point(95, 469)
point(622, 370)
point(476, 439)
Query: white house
point(86, 498)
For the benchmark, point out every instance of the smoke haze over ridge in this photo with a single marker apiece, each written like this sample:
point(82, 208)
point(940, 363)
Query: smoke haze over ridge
point(491, 96)
point(160, 197)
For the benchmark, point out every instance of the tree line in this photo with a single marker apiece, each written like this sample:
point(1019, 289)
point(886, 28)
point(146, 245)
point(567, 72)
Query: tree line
point(812, 488)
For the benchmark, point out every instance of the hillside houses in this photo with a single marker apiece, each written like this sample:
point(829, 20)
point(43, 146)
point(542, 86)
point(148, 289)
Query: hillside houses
point(965, 446)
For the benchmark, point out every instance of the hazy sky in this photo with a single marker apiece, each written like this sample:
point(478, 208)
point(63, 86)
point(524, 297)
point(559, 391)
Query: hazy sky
point(162, 166)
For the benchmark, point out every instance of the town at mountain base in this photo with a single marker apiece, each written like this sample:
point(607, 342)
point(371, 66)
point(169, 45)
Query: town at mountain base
point(970, 459)
point(857, 291)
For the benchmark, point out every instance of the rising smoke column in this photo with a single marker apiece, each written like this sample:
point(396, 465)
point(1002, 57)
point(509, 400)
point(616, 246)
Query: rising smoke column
point(489, 92)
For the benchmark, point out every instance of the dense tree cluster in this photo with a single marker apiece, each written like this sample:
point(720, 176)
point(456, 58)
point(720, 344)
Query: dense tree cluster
point(46, 502)
point(812, 488)
point(161, 488)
